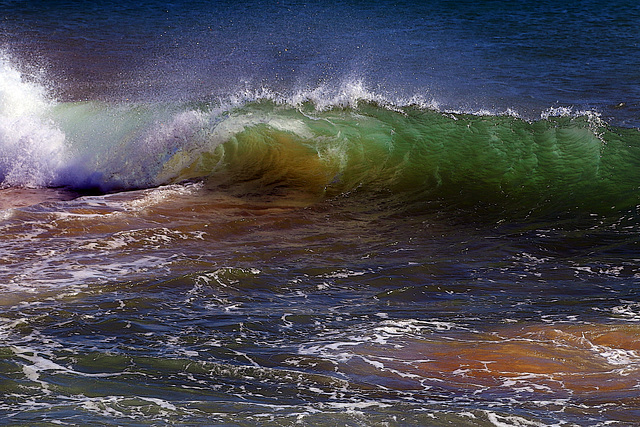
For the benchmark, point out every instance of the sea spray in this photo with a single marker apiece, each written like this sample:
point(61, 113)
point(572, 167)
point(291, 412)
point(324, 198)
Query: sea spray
point(31, 145)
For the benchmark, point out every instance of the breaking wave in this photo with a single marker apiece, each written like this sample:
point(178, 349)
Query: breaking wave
point(321, 143)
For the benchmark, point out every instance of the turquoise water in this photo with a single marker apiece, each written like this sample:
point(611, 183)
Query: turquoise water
point(303, 213)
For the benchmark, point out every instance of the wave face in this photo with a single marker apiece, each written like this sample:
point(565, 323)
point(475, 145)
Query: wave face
point(317, 145)
point(417, 154)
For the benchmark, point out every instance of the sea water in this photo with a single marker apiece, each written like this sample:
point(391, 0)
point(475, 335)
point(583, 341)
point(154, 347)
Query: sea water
point(308, 213)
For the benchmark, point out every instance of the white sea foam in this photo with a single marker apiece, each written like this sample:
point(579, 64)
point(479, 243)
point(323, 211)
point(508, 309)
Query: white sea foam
point(407, 327)
point(499, 420)
point(36, 363)
point(629, 311)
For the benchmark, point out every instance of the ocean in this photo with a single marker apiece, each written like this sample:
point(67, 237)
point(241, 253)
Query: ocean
point(315, 213)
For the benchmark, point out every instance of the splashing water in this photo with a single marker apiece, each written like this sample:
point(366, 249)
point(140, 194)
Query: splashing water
point(32, 148)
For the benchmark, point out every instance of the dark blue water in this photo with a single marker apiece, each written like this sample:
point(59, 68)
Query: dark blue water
point(282, 213)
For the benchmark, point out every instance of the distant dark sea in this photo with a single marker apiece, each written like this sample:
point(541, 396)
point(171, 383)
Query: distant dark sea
point(320, 213)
